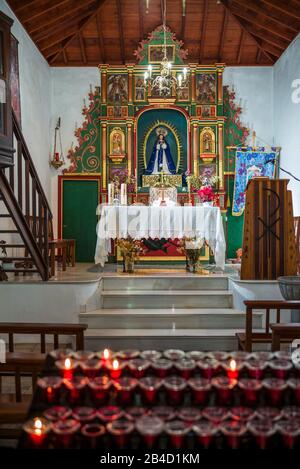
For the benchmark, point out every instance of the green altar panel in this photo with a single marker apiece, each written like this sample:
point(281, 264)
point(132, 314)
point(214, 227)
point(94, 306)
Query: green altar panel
point(234, 226)
point(80, 200)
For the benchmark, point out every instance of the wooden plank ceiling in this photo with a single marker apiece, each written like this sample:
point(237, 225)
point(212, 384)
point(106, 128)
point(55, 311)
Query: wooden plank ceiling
point(89, 32)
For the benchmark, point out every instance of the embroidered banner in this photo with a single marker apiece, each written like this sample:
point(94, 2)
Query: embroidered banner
point(249, 164)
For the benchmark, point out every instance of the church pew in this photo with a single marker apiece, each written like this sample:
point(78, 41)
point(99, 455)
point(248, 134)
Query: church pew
point(284, 332)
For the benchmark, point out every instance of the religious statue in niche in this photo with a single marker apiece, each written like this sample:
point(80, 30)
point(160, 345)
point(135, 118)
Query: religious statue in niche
point(117, 145)
point(117, 89)
point(206, 89)
point(207, 144)
point(161, 158)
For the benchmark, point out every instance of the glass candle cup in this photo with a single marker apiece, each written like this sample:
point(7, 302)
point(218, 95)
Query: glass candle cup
point(51, 388)
point(243, 414)
point(208, 367)
point(233, 431)
point(82, 355)
point(162, 367)
point(195, 355)
point(233, 368)
point(189, 414)
point(250, 390)
point(150, 355)
point(109, 413)
point(175, 387)
point(283, 355)
point(150, 427)
point(135, 412)
point(291, 412)
point(280, 368)
point(105, 355)
point(65, 431)
point(268, 413)
point(262, 430)
point(84, 414)
point(125, 389)
point(185, 367)
point(57, 413)
point(115, 368)
point(274, 388)
point(91, 368)
point(138, 367)
point(215, 414)
point(100, 387)
point(37, 430)
point(200, 390)
point(240, 355)
point(149, 387)
point(127, 354)
point(225, 387)
point(256, 368)
point(76, 388)
point(92, 433)
point(262, 355)
point(67, 367)
point(177, 430)
point(289, 431)
point(62, 353)
point(163, 412)
point(205, 432)
point(294, 384)
point(174, 354)
point(218, 355)
point(121, 430)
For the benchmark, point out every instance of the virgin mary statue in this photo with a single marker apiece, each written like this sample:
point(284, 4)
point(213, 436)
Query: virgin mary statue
point(161, 157)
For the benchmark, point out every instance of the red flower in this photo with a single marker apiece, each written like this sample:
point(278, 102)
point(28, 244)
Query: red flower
point(206, 194)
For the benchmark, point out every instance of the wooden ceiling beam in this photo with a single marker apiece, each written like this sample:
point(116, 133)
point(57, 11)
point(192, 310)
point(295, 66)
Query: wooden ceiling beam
point(141, 19)
point(85, 23)
point(58, 47)
point(55, 38)
point(82, 47)
point(271, 49)
point(41, 9)
point(100, 39)
point(225, 4)
point(257, 7)
point(240, 51)
point(258, 56)
point(223, 34)
point(120, 28)
point(183, 23)
point(203, 30)
point(266, 36)
point(19, 5)
point(283, 7)
point(63, 14)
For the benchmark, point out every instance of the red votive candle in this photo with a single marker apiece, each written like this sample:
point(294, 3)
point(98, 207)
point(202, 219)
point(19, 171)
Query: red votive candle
point(294, 384)
point(195, 355)
point(67, 367)
point(91, 368)
point(82, 355)
point(262, 430)
point(208, 367)
point(189, 414)
point(62, 353)
point(65, 431)
point(75, 387)
point(100, 387)
point(175, 387)
point(92, 433)
point(289, 430)
point(268, 414)
point(225, 387)
point(218, 355)
point(84, 414)
point(57, 413)
point(125, 389)
point(291, 412)
point(205, 432)
point(115, 368)
point(150, 386)
point(164, 412)
point(250, 390)
point(280, 368)
point(138, 367)
point(233, 431)
point(121, 430)
point(215, 414)
point(243, 414)
point(51, 387)
point(109, 413)
point(174, 354)
point(150, 428)
point(232, 369)
point(37, 430)
point(185, 367)
point(135, 412)
point(275, 388)
point(256, 368)
point(162, 367)
point(105, 355)
point(200, 389)
point(127, 354)
point(150, 355)
point(177, 430)
point(262, 355)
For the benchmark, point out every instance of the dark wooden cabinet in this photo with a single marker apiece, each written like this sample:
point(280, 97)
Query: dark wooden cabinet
point(6, 138)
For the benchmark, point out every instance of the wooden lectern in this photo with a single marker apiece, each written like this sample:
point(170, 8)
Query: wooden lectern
point(269, 247)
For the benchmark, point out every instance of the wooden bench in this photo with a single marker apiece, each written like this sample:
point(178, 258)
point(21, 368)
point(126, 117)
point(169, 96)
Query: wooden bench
point(248, 338)
point(284, 333)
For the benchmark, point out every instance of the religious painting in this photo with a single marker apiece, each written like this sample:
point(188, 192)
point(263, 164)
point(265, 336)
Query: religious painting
point(183, 94)
point(139, 89)
point(124, 111)
point(14, 78)
point(117, 89)
point(205, 111)
point(156, 53)
point(155, 93)
point(207, 141)
point(206, 88)
point(207, 170)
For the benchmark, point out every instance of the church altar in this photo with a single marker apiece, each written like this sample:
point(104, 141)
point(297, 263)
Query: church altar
point(204, 223)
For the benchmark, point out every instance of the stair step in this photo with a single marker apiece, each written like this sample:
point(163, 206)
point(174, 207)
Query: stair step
point(163, 282)
point(9, 231)
point(13, 245)
point(5, 215)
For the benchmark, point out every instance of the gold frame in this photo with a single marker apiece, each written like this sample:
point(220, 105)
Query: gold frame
point(160, 46)
point(213, 135)
point(145, 91)
point(206, 72)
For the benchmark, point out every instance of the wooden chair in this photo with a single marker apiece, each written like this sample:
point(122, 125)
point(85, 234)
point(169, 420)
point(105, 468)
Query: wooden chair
point(297, 232)
point(283, 333)
point(247, 339)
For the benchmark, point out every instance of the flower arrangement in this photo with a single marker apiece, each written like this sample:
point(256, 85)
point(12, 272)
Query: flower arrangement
point(206, 194)
point(120, 176)
point(130, 250)
point(207, 178)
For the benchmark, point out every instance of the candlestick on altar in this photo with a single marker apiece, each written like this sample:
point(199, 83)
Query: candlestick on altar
point(111, 192)
point(123, 194)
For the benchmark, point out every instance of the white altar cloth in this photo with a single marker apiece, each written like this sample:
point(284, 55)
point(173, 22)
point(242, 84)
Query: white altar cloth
point(175, 222)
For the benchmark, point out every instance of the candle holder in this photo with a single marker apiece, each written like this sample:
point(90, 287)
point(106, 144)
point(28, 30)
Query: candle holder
point(150, 428)
point(189, 414)
point(225, 387)
point(135, 412)
point(121, 430)
point(274, 388)
point(250, 390)
point(269, 414)
point(82, 355)
point(175, 387)
point(233, 368)
point(200, 390)
point(174, 354)
point(256, 368)
point(65, 431)
point(208, 367)
point(163, 412)
point(61, 353)
point(289, 431)
point(283, 355)
point(218, 355)
point(240, 355)
point(215, 414)
point(92, 433)
point(57, 413)
point(51, 387)
point(75, 387)
point(162, 367)
point(280, 368)
point(150, 386)
point(262, 430)
point(138, 367)
point(291, 412)
point(262, 355)
point(105, 355)
point(177, 430)
point(91, 368)
point(150, 355)
point(243, 414)
point(195, 355)
point(127, 354)
point(100, 387)
point(37, 430)
point(125, 389)
point(233, 431)
point(186, 367)
point(84, 414)
point(115, 368)
point(67, 367)
point(205, 432)
point(294, 384)
point(109, 413)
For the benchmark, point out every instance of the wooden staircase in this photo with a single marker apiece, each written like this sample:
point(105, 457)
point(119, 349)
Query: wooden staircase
point(24, 245)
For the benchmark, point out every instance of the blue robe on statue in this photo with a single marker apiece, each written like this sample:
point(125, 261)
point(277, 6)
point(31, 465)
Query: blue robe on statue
point(157, 154)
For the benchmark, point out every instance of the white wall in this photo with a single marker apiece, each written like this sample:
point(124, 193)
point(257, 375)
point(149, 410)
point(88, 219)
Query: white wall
point(254, 91)
point(35, 94)
point(287, 116)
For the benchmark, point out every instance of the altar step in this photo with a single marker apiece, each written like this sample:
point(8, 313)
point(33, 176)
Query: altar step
point(147, 299)
point(154, 319)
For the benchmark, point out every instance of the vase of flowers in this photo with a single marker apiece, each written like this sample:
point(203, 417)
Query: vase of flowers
point(206, 195)
point(130, 250)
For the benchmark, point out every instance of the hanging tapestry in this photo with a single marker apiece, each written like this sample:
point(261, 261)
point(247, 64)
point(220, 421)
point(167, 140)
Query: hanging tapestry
point(250, 164)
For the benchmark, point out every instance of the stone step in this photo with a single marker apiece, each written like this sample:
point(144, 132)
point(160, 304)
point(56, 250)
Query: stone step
point(166, 299)
point(208, 318)
point(143, 339)
point(164, 282)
